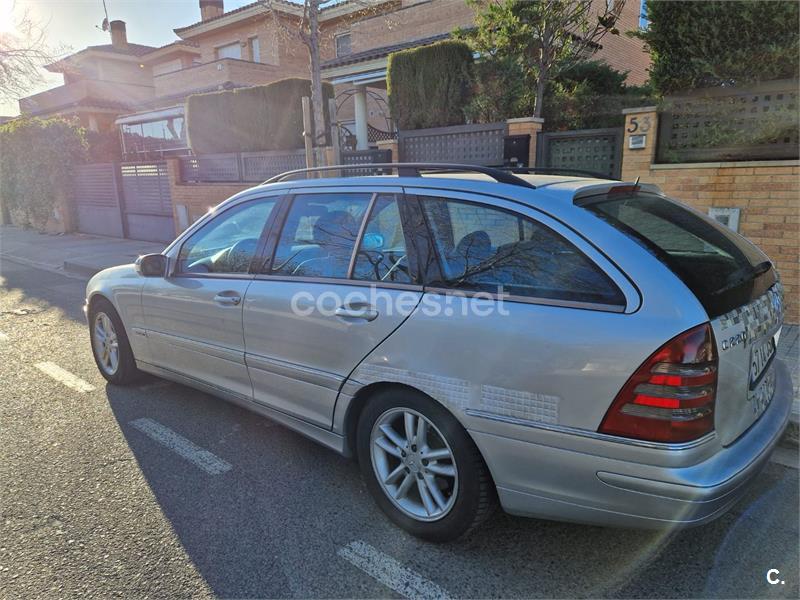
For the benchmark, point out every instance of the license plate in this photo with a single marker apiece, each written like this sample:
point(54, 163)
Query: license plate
point(760, 397)
point(760, 357)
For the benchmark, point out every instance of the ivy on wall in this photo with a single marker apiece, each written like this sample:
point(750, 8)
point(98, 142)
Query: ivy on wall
point(430, 86)
point(36, 160)
point(254, 119)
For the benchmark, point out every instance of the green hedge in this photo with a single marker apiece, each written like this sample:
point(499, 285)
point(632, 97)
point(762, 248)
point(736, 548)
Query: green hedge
point(36, 160)
point(430, 86)
point(266, 117)
point(713, 43)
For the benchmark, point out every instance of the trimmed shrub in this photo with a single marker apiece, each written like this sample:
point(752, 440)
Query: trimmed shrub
point(430, 86)
point(713, 43)
point(264, 117)
point(36, 160)
point(591, 95)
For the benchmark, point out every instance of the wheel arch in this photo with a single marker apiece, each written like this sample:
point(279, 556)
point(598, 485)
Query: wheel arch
point(360, 399)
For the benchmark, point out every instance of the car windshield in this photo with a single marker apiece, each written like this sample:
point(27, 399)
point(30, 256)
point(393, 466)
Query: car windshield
point(721, 267)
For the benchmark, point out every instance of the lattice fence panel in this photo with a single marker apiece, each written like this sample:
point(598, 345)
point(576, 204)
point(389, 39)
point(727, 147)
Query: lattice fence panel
point(468, 144)
point(731, 124)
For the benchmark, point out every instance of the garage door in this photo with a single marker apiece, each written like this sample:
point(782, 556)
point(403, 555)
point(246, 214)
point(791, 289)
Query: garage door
point(147, 201)
point(95, 194)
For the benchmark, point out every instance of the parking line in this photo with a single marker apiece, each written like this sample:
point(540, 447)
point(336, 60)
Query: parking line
point(64, 377)
point(200, 457)
point(390, 572)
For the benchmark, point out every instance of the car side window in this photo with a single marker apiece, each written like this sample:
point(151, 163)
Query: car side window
point(382, 254)
point(490, 249)
point(319, 235)
point(227, 243)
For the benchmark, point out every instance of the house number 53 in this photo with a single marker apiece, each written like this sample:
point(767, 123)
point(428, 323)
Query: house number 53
point(642, 126)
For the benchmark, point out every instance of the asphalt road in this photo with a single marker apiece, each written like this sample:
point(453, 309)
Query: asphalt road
point(108, 492)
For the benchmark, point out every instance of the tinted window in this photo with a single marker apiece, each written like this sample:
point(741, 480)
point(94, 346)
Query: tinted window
point(319, 235)
point(382, 253)
point(484, 248)
point(227, 243)
point(722, 268)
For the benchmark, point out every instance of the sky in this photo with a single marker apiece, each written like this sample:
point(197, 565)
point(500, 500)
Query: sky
point(75, 23)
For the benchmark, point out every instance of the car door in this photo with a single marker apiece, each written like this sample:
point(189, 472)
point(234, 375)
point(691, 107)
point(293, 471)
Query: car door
point(524, 317)
point(339, 277)
point(194, 316)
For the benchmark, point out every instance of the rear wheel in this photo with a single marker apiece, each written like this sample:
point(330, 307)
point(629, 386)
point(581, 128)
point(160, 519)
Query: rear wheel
point(421, 467)
point(110, 347)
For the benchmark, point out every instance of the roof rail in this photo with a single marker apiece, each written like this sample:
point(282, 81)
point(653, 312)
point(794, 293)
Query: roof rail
point(414, 170)
point(559, 171)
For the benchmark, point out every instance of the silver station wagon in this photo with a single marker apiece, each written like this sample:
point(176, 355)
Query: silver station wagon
point(571, 348)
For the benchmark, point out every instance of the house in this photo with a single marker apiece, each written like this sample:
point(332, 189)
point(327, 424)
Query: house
point(142, 89)
point(100, 82)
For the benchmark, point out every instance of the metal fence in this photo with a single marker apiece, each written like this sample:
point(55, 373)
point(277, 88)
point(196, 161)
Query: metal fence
point(249, 167)
point(723, 124)
point(595, 150)
point(468, 144)
point(365, 157)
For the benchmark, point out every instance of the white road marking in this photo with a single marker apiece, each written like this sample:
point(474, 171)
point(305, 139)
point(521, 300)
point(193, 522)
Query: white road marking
point(209, 462)
point(63, 376)
point(390, 572)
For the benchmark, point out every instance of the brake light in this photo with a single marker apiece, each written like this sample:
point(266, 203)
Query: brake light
point(670, 398)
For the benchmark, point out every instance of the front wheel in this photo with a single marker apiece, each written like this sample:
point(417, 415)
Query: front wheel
point(421, 466)
point(110, 347)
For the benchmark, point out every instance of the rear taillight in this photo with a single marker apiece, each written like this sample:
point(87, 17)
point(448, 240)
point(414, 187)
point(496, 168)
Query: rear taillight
point(670, 398)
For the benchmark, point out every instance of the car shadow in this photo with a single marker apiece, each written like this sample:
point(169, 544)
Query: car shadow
point(272, 524)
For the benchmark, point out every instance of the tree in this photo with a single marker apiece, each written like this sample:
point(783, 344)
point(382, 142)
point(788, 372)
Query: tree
point(708, 44)
point(23, 52)
point(306, 28)
point(544, 38)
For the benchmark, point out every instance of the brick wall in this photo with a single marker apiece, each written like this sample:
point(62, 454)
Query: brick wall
point(766, 192)
point(621, 51)
point(412, 21)
point(197, 198)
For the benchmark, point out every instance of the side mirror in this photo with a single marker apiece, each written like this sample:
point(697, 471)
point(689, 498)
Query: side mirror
point(152, 265)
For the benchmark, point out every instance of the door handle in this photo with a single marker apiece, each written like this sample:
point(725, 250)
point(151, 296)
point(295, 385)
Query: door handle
point(228, 298)
point(357, 312)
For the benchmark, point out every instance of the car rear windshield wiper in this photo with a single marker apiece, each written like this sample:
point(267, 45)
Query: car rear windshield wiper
point(743, 275)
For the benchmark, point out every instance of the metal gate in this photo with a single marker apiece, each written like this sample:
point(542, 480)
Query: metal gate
point(147, 206)
point(595, 150)
point(96, 196)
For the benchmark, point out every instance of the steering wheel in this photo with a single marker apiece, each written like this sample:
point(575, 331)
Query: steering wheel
point(241, 251)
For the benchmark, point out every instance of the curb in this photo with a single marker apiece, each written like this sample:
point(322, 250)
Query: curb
point(80, 269)
point(40, 265)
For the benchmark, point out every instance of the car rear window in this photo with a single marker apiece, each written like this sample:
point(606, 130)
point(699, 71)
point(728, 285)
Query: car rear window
point(719, 266)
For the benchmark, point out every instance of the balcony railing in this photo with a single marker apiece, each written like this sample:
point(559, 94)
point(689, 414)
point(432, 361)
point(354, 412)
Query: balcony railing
point(216, 73)
point(84, 91)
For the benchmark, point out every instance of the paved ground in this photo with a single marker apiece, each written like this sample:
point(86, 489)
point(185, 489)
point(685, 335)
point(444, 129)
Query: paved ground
point(104, 492)
point(78, 253)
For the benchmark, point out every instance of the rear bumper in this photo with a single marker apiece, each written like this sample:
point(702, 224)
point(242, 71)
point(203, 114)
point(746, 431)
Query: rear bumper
point(558, 483)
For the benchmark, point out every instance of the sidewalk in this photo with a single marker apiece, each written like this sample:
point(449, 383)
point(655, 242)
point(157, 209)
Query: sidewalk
point(75, 254)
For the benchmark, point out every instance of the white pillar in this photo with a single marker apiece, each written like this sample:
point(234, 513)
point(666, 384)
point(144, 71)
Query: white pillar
point(360, 99)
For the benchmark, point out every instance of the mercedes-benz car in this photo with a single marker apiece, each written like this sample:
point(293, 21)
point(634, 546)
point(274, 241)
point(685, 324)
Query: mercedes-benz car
point(567, 347)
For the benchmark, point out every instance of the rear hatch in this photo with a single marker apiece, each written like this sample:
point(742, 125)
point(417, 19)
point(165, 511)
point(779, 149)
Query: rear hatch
point(733, 280)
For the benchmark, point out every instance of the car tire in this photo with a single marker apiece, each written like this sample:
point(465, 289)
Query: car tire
point(470, 496)
point(103, 316)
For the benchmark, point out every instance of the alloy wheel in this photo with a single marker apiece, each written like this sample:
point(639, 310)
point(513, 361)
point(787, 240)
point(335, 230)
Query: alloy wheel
point(106, 343)
point(414, 464)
